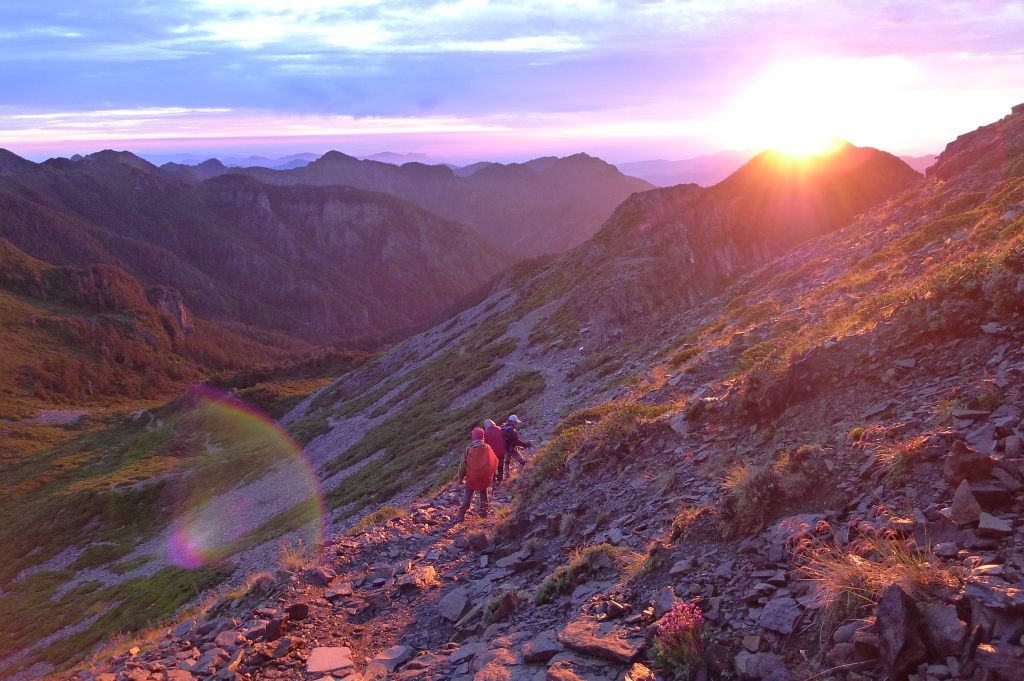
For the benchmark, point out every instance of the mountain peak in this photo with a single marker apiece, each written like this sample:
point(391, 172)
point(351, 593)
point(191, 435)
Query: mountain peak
point(11, 162)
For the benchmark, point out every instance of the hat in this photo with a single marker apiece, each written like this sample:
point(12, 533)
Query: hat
point(514, 419)
point(488, 423)
point(478, 434)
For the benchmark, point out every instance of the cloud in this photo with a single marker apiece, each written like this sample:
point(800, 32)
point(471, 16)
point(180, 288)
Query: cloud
point(610, 65)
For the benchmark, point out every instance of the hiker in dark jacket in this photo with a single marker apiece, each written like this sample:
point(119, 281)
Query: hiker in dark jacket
point(495, 439)
point(513, 442)
point(477, 469)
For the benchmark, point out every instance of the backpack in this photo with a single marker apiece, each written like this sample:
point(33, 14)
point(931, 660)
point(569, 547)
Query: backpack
point(508, 434)
point(481, 463)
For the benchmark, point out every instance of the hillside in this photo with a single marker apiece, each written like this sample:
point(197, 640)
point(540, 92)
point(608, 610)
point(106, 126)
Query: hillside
point(777, 431)
point(547, 205)
point(329, 264)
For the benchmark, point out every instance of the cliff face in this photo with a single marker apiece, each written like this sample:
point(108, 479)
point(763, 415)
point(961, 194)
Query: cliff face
point(547, 205)
point(169, 302)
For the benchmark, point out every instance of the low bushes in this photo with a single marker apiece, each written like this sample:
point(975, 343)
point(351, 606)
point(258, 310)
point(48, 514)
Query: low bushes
point(678, 647)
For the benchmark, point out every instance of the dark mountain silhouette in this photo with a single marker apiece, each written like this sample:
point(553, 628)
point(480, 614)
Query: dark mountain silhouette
point(670, 249)
point(327, 263)
point(547, 205)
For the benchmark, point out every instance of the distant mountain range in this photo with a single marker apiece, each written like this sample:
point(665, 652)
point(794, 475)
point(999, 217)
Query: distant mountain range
point(711, 169)
point(547, 205)
point(328, 263)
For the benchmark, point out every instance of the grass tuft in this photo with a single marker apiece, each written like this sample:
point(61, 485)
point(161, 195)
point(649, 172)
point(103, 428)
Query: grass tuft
point(381, 515)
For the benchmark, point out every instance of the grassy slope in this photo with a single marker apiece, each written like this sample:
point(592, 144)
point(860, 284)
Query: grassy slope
point(106, 482)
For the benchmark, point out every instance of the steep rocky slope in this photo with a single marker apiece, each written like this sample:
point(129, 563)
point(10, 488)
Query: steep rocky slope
point(327, 263)
point(547, 205)
point(785, 449)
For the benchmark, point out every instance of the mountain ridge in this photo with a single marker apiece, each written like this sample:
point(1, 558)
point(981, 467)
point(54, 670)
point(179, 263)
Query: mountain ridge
point(167, 231)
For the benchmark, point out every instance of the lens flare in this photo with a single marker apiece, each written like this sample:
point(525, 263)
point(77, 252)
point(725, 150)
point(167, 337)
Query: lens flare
point(245, 481)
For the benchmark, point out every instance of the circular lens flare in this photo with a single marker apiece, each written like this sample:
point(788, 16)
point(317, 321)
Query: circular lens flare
point(245, 482)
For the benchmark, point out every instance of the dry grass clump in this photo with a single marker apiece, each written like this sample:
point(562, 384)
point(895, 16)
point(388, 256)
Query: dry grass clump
point(585, 563)
point(684, 522)
point(897, 460)
point(260, 583)
point(381, 515)
point(296, 556)
point(848, 582)
point(754, 492)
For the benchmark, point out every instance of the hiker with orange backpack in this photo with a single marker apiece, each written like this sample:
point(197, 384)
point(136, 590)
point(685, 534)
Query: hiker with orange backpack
point(477, 469)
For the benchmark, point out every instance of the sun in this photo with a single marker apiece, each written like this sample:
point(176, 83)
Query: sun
point(808, 145)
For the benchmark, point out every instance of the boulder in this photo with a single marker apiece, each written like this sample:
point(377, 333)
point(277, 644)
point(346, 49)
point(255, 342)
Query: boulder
point(756, 665)
point(1014, 447)
point(681, 567)
point(992, 527)
point(561, 671)
point(172, 675)
point(329, 660)
point(639, 672)
point(508, 605)
point(393, 656)
point(992, 592)
point(604, 640)
point(965, 464)
point(1001, 661)
point(275, 627)
point(466, 652)
point(285, 645)
point(375, 671)
point(297, 611)
point(228, 639)
point(541, 649)
point(320, 576)
point(478, 541)
point(1011, 483)
point(944, 633)
point(664, 601)
point(718, 660)
point(454, 605)
point(780, 615)
point(965, 509)
point(897, 625)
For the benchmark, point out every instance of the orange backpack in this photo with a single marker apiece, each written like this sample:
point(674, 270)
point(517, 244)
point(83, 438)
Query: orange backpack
point(481, 463)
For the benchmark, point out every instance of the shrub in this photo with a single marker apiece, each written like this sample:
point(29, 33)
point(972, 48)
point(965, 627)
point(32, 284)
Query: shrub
point(678, 647)
point(857, 433)
point(753, 495)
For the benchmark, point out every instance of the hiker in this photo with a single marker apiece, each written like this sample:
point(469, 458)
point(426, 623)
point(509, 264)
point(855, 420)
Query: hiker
point(477, 469)
point(513, 442)
point(496, 441)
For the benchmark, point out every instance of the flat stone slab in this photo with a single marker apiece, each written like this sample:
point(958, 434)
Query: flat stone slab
point(329, 659)
point(604, 640)
point(393, 656)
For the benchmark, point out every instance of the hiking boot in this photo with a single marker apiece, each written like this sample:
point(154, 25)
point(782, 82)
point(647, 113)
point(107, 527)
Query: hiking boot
point(459, 519)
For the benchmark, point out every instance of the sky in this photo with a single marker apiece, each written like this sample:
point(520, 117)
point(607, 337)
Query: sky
point(469, 80)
